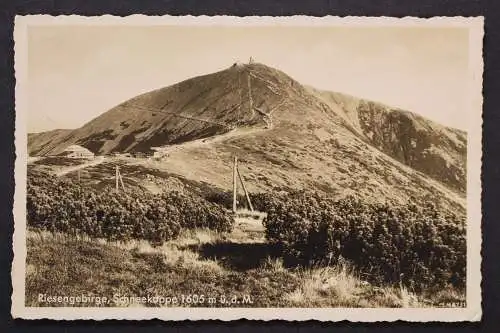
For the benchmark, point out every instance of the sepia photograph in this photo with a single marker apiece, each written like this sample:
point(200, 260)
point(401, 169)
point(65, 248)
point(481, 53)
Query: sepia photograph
point(263, 168)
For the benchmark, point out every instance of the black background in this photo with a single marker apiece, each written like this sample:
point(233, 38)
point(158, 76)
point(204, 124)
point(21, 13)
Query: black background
point(421, 8)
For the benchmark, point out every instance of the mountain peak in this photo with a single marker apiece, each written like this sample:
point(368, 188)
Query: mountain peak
point(280, 113)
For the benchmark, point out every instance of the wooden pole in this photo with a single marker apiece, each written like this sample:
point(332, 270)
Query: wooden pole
point(116, 178)
point(240, 92)
point(235, 187)
point(121, 180)
point(244, 189)
point(78, 175)
point(250, 100)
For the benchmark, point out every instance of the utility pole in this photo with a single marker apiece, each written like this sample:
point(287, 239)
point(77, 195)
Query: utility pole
point(239, 92)
point(235, 187)
point(116, 178)
point(121, 181)
point(245, 190)
point(250, 99)
point(243, 213)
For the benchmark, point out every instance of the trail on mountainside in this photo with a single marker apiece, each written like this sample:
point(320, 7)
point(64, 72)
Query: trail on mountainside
point(98, 160)
point(206, 142)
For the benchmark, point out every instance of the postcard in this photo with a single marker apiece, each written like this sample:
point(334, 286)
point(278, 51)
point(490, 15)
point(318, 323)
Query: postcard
point(293, 168)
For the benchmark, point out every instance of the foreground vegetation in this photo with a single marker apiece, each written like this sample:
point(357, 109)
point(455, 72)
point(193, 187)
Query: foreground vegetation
point(312, 250)
point(63, 206)
point(202, 262)
point(421, 247)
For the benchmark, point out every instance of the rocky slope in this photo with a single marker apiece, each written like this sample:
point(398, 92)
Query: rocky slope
point(424, 145)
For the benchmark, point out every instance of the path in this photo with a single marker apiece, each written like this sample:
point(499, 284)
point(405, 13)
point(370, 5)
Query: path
point(96, 161)
point(33, 159)
point(234, 133)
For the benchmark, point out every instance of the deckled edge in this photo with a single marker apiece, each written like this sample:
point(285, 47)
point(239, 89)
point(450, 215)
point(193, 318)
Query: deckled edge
point(474, 170)
point(473, 311)
point(20, 167)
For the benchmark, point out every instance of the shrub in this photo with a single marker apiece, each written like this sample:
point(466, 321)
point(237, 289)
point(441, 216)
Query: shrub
point(57, 205)
point(416, 245)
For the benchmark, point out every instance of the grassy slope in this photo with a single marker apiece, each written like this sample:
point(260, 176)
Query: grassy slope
point(201, 263)
point(37, 141)
point(370, 177)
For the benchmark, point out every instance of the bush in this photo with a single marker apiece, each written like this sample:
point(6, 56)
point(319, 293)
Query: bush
point(419, 246)
point(63, 206)
point(260, 201)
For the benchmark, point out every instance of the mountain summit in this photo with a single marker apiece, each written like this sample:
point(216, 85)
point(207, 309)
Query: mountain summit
point(196, 108)
point(287, 134)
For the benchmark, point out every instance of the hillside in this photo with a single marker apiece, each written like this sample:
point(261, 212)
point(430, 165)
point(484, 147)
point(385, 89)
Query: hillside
point(286, 135)
point(196, 108)
point(37, 141)
point(422, 144)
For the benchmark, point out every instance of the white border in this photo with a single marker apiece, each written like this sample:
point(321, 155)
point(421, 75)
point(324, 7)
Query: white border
point(471, 313)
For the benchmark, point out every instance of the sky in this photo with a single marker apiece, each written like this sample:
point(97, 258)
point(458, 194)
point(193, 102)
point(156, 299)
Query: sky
point(76, 73)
